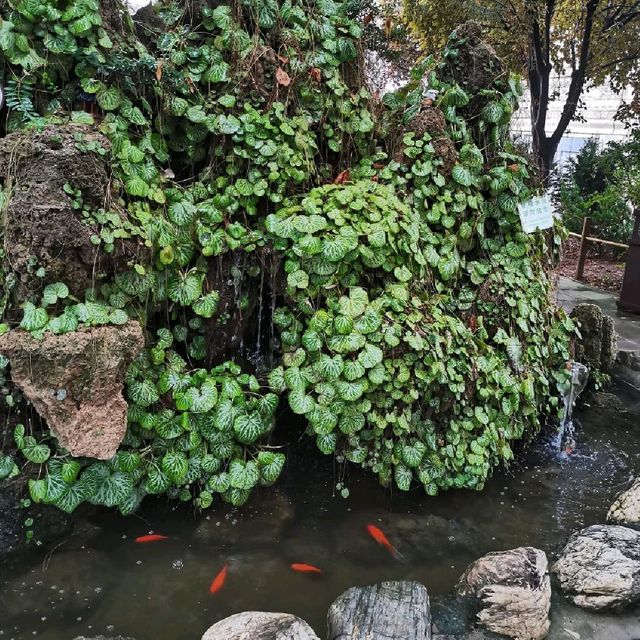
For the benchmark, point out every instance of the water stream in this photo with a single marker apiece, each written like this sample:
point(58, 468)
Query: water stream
point(100, 582)
point(565, 440)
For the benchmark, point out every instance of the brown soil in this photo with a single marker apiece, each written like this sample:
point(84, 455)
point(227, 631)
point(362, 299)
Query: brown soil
point(601, 270)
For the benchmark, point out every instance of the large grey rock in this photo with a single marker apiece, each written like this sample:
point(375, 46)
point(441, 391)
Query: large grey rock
point(385, 611)
point(599, 568)
point(514, 592)
point(260, 625)
point(626, 507)
point(75, 382)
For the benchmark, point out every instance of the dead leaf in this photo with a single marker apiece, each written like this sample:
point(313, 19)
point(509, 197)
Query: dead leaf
point(368, 18)
point(315, 74)
point(342, 177)
point(388, 27)
point(282, 77)
point(159, 71)
point(514, 168)
point(379, 165)
point(283, 59)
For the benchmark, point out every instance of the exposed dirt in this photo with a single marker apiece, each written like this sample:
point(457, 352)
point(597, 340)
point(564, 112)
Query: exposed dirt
point(601, 270)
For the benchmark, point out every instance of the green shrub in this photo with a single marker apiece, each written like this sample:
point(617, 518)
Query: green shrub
point(601, 184)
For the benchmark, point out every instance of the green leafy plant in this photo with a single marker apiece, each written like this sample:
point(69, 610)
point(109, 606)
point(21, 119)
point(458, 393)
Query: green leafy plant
point(415, 331)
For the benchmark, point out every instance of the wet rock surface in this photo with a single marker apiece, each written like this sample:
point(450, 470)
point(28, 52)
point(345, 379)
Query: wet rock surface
point(513, 591)
point(75, 383)
point(385, 611)
point(599, 568)
point(597, 348)
point(626, 507)
point(42, 229)
point(49, 523)
point(260, 625)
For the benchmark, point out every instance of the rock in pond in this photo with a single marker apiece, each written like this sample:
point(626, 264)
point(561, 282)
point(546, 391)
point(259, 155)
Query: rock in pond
point(626, 507)
point(75, 382)
point(260, 625)
point(514, 592)
point(599, 568)
point(385, 611)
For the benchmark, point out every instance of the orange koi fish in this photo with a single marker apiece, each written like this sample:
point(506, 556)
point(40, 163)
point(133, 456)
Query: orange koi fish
point(305, 568)
point(378, 535)
point(154, 537)
point(218, 581)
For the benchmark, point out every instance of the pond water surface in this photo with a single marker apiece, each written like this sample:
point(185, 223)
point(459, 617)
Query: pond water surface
point(101, 582)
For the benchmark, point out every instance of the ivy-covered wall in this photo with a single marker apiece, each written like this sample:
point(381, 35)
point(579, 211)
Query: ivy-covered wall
point(358, 259)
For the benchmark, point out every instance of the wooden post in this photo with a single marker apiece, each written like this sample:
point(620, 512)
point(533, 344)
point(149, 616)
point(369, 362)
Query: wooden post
point(584, 243)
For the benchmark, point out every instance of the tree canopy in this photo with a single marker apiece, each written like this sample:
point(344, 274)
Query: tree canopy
point(591, 41)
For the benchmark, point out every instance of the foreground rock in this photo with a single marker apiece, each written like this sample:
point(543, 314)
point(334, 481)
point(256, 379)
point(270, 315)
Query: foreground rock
point(599, 568)
point(385, 611)
point(514, 592)
point(260, 625)
point(75, 382)
point(626, 507)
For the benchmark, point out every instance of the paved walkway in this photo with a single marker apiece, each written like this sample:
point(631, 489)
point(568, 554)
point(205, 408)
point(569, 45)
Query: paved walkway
point(571, 293)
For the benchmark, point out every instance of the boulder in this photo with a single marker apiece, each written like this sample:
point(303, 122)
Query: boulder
point(514, 592)
point(260, 625)
point(43, 231)
point(385, 611)
point(626, 507)
point(597, 347)
point(599, 568)
point(75, 382)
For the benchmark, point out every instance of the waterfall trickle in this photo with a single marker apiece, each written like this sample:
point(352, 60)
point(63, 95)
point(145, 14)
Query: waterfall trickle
point(565, 439)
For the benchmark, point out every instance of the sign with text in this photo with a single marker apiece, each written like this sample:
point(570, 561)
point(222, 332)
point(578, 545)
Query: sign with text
point(535, 214)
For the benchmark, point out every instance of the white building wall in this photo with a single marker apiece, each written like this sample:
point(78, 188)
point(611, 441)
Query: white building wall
point(600, 105)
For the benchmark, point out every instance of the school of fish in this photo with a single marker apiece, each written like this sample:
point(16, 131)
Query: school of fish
point(301, 567)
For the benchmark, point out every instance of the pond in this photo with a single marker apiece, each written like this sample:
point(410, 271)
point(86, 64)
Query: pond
point(101, 582)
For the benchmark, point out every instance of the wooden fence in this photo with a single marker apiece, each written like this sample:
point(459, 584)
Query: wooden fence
point(585, 239)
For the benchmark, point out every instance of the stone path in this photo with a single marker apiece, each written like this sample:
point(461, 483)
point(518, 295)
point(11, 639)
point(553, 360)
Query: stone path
point(571, 293)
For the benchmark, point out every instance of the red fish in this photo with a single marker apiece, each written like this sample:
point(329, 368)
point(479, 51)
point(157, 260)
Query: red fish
point(378, 535)
point(154, 537)
point(305, 568)
point(218, 581)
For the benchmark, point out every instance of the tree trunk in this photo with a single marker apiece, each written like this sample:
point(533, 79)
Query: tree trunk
point(544, 150)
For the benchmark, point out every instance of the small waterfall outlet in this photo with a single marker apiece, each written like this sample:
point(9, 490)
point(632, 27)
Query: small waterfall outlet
point(565, 439)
